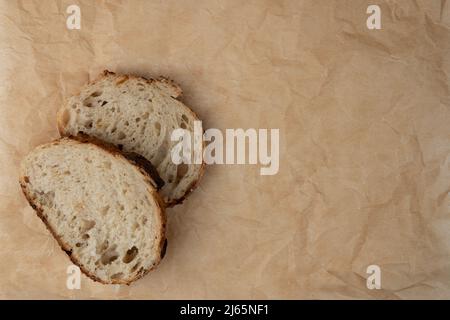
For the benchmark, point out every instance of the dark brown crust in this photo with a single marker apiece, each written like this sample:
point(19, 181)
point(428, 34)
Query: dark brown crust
point(178, 93)
point(23, 180)
point(146, 165)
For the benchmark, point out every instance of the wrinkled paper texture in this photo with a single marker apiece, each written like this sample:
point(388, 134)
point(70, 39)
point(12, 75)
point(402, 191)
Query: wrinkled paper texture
point(364, 143)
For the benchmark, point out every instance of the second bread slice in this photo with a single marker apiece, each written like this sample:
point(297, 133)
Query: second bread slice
point(137, 115)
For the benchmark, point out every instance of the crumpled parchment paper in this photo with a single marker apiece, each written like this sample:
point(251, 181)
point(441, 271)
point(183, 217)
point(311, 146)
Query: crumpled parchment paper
point(364, 119)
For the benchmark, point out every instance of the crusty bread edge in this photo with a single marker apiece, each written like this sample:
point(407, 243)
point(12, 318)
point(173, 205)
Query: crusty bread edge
point(176, 88)
point(66, 248)
point(191, 188)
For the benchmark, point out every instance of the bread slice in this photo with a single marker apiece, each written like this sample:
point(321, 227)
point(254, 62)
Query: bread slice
point(103, 210)
point(137, 115)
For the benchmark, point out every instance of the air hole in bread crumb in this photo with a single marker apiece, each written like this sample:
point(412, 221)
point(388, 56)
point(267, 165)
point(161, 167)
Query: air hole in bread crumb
point(137, 119)
point(183, 125)
point(85, 236)
point(121, 207)
point(67, 172)
point(74, 106)
point(113, 130)
point(88, 160)
point(46, 197)
point(122, 79)
point(130, 255)
point(158, 128)
point(88, 225)
point(144, 220)
point(184, 118)
point(102, 247)
point(127, 123)
point(182, 169)
point(96, 94)
point(135, 266)
point(104, 210)
point(78, 244)
point(104, 102)
point(116, 276)
point(88, 124)
point(121, 135)
point(145, 115)
point(109, 255)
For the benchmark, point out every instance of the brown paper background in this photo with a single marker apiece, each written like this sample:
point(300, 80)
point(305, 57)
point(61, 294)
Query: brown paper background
point(364, 142)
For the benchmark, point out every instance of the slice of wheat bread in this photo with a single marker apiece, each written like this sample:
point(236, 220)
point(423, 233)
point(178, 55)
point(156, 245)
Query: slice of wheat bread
point(137, 115)
point(101, 208)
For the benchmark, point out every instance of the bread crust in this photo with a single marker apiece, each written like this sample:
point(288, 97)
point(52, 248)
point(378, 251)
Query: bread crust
point(176, 93)
point(23, 181)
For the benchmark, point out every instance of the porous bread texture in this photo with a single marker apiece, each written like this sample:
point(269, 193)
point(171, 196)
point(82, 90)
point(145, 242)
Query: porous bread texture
point(102, 209)
point(136, 115)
